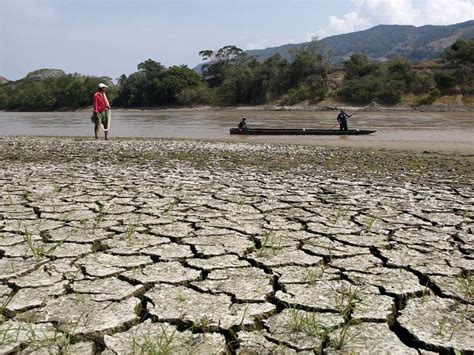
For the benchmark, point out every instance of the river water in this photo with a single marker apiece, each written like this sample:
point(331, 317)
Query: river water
point(437, 130)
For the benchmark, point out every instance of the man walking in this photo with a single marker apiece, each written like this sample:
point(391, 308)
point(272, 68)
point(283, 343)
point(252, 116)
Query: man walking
point(342, 119)
point(101, 116)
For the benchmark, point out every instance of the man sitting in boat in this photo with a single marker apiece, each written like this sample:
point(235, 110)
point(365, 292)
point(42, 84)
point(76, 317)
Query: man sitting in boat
point(342, 119)
point(243, 124)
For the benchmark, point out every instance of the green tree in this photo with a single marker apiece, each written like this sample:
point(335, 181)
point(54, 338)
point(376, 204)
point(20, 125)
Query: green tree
point(274, 75)
point(218, 61)
point(461, 52)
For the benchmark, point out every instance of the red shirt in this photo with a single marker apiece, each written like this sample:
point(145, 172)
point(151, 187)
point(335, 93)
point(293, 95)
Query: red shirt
point(99, 102)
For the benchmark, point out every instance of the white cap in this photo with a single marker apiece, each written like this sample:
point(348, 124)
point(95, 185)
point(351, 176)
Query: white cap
point(101, 85)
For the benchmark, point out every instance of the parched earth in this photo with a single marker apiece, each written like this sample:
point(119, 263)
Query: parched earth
point(167, 246)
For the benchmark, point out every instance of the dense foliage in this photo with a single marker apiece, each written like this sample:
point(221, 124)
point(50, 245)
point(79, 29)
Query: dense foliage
point(387, 82)
point(460, 58)
point(154, 85)
point(50, 93)
point(366, 81)
point(231, 77)
point(236, 78)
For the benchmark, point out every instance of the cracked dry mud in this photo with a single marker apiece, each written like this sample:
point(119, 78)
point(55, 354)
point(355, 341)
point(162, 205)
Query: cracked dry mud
point(142, 246)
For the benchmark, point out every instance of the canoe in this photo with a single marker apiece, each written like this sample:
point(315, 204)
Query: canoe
point(301, 132)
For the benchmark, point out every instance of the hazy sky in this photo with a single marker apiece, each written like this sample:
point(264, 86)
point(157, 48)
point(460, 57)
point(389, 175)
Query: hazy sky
point(110, 37)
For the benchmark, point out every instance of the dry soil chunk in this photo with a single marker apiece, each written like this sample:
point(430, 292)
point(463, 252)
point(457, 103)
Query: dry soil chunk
point(256, 343)
point(218, 262)
point(367, 338)
point(85, 316)
point(271, 257)
point(246, 284)
point(321, 295)
point(108, 289)
point(178, 302)
point(440, 323)
point(103, 265)
point(168, 272)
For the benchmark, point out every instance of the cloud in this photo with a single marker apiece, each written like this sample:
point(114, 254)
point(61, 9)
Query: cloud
point(350, 22)
point(368, 13)
point(443, 12)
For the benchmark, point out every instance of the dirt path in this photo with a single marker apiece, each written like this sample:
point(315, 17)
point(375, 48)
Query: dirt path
point(207, 247)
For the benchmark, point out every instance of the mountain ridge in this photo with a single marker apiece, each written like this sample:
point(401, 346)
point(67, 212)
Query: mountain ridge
point(382, 42)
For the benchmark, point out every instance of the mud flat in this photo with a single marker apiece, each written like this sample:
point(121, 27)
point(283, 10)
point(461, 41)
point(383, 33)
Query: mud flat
point(175, 246)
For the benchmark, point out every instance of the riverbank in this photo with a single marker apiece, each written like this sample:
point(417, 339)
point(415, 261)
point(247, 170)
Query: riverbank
point(207, 246)
point(447, 104)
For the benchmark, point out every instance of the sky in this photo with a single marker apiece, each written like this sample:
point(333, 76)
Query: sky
point(111, 37)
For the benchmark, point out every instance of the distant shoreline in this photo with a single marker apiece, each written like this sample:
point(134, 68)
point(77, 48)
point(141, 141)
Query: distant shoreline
point(278, 108)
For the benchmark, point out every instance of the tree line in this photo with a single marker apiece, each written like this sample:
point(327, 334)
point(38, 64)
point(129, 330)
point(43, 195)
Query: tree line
point(231, 77)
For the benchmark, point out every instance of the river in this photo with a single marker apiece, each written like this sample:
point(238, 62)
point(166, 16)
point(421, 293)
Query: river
point(399, 130)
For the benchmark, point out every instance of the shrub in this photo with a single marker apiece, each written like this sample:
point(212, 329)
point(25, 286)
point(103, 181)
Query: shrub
point(428, 98)
point(200, 95)
point(445, 80)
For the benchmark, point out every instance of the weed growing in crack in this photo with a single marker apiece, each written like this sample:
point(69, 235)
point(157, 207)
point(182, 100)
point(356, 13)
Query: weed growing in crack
point(65, 217)
point(341, 213)
point(172, 204)
point(4, 305)
point(466, 285)
point(181, 297)
point(39, 251)
point(36, 339)
point(346, 300)
point(306, 322)
point(268, 245)
point(171, 207)
point(312, 276)
point(25, 195)
point(7, 336)
point(425, 291)
point(57, 188)
point(244, 314)
point(100, 214)
point(342, 337)
point(130, 231)
point(204, 322)
point(441, 325)
point(10, 199)
point(370, 222)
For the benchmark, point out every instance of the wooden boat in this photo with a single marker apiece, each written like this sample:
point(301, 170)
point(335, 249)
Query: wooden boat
point(300, 132)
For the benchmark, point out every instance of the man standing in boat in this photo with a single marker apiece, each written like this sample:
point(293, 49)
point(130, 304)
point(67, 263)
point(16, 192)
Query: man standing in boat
point(100, 116)
point(342, 119)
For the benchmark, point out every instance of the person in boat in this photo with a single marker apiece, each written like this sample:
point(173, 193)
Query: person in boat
point(100, 116)
point(243, 124)
point(342, 119)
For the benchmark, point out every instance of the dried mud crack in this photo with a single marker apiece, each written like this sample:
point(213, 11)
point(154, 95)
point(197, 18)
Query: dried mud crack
point(171, 246)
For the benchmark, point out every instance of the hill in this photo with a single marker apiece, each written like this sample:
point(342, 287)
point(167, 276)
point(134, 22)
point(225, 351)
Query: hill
point(3, 80)
point(386, 41)
point(44, 74)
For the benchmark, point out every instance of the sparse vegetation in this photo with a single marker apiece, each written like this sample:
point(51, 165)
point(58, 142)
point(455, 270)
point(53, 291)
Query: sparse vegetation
point(146, 343)
point(307, 322)
point(269, 246)
point(38, 249)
